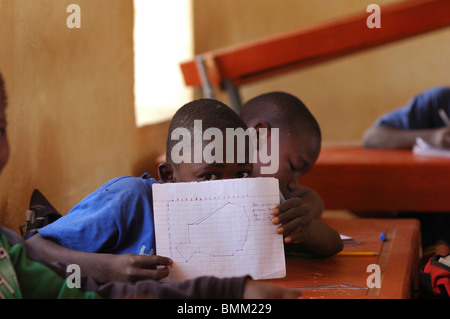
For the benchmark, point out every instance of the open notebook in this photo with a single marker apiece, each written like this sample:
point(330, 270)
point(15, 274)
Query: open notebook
point(219, 228)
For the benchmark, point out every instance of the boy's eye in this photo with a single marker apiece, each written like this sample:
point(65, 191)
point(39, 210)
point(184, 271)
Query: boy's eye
point(242, 174)
point(209, 177)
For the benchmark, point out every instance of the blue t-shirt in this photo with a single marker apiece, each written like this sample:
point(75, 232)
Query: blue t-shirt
point(117, 218)
point(421, 112)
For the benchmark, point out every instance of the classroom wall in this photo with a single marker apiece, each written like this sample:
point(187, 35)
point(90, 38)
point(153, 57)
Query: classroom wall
point(71, 106)
point(346, 95)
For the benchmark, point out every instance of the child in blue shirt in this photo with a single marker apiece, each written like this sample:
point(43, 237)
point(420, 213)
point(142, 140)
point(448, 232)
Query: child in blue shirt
point(102, 220)
point(110, 230)
point(419, 118)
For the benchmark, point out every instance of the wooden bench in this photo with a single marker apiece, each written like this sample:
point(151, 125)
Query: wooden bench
point(237, 65)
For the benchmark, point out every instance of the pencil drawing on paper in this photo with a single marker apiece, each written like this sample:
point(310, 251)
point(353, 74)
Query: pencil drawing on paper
point(208, 236)
point(219, 228)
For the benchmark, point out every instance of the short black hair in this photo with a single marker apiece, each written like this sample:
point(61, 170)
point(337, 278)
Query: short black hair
point(282, 110)
point(211, 112)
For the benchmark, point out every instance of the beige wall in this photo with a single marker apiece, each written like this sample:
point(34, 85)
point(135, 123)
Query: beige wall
point(346, 94)
point(70, 115)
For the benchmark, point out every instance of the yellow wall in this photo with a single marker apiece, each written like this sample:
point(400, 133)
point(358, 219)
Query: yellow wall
point(70, 115)
point(346, 95)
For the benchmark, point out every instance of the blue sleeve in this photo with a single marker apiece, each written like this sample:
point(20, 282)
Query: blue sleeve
point(421, 112)
point(116, 218)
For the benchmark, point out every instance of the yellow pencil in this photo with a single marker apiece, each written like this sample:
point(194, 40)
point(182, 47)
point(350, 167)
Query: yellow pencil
point(357, 253)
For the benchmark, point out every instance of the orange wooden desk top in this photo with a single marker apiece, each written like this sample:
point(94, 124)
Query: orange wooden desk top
point(344, 277)
point(359, 179)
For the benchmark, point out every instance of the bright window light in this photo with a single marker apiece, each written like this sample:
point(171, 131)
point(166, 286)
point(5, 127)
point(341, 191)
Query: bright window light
point(162, 39)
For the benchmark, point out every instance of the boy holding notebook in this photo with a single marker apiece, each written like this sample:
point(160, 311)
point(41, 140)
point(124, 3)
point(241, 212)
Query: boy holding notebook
point(110, 230)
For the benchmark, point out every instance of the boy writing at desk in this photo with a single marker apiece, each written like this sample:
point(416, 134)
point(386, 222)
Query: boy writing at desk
point(24, 273)
point(299, 147)
point(424, 116)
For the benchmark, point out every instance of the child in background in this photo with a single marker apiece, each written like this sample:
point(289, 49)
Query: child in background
point(299, 148)
point(427, 116)
point(24, 273)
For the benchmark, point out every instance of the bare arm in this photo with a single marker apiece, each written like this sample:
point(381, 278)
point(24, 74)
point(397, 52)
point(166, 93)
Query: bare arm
point(388, 137)
point(104, 267)
point(100, 265)
point(322, 240)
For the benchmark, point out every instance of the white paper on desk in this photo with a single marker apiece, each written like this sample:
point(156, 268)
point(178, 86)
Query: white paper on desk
point(423, 148)
point(219, 228)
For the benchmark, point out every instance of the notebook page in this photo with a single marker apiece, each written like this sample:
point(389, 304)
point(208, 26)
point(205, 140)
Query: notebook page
point(219, 228)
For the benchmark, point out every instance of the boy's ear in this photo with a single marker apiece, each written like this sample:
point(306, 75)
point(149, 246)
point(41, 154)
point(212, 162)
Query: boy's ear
point(260, 125)
point(165, 172)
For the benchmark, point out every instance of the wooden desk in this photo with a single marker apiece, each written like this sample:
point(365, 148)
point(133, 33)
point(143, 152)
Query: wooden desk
point(398, 261)
point(358, 179)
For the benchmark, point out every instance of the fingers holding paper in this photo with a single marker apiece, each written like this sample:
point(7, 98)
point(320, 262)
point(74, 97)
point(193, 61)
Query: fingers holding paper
point(294, 219)
point(133, 268)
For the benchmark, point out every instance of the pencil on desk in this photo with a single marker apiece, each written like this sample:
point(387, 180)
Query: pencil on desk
point(357, 253)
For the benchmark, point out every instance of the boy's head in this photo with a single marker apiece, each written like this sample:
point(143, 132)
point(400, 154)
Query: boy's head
point(4, 147)
point(197, 145)
point(300, 135)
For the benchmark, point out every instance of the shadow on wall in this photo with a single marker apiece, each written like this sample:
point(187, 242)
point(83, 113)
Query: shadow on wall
point(151, 143)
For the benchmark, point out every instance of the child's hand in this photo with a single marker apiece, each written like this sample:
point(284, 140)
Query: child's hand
point(131, 268)
point(441, 137)
point(294, 218)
